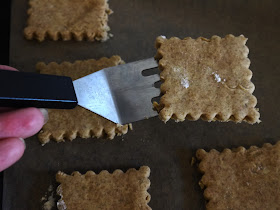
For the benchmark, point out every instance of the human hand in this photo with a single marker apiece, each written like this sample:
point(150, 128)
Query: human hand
point(15, 125)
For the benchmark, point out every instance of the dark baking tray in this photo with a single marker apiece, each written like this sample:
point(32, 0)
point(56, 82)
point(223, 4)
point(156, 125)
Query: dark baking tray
point(166, 148)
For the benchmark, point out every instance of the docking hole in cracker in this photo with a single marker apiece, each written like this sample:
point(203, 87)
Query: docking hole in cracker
point(240, 178)
point(117, 190)
point(78, 122)
point(68, 19)
point(206, 79)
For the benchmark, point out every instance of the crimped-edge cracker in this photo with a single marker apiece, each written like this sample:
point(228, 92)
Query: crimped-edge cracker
point(240, 178)
point(118, 190)
point(70, 123)
point(67, 19)
point(206, 78)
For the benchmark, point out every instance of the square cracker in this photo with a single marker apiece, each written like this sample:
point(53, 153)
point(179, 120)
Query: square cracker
point(118, 190)
point(240, 178)
point(67, 19)
point(68, 124)
point(206, 78)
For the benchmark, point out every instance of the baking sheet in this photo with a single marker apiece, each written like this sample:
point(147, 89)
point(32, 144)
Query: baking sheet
point(166, 148)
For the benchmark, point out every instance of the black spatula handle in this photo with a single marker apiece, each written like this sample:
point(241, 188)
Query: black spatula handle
point(21, 89)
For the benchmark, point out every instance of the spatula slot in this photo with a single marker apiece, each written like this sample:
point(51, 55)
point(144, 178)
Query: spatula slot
point(148, 72)
point(157, 84)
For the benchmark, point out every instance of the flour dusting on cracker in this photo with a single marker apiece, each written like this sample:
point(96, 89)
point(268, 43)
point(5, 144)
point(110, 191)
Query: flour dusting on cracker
point(185, 82)
point(176, 69)
point(217, 77)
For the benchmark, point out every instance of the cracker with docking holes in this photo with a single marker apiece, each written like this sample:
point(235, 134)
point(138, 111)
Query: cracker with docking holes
point(240, 178)
point(68, 19)
point(206, 78)
point(70, 123)
point(118, 190)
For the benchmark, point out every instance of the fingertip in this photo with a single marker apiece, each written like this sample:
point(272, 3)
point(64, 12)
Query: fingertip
point(23, 141)
point(21, 123)
point(11, 150)
point(33, 120)
point(45, 114)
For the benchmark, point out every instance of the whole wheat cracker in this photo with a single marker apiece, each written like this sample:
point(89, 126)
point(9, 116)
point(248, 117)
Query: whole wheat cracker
point(206, 78)
point(67, 19)
point(68, 124)
point(240, 178)
point(118, 190)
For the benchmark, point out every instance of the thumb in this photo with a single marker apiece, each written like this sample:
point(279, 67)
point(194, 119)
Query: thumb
point(11, 150)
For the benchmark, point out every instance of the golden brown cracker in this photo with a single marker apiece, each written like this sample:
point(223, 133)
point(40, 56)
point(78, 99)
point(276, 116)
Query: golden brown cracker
point(206, 78)
point(68, 124)
point(240, 178)
point(68, 19)
point(118, 190)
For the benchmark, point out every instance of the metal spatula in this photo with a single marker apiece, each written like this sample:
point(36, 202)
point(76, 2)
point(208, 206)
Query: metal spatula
point(120, 93)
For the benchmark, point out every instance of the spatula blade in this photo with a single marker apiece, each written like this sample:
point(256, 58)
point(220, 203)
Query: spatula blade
point(120, 93)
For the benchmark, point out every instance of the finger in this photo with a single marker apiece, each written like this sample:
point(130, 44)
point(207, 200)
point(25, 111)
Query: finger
point(11, 150)
point(4, 67)
point(22, 122)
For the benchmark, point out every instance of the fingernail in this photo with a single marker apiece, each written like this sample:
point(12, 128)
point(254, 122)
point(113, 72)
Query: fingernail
point(4, 67)
point(23, 142)
point(45, 114)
